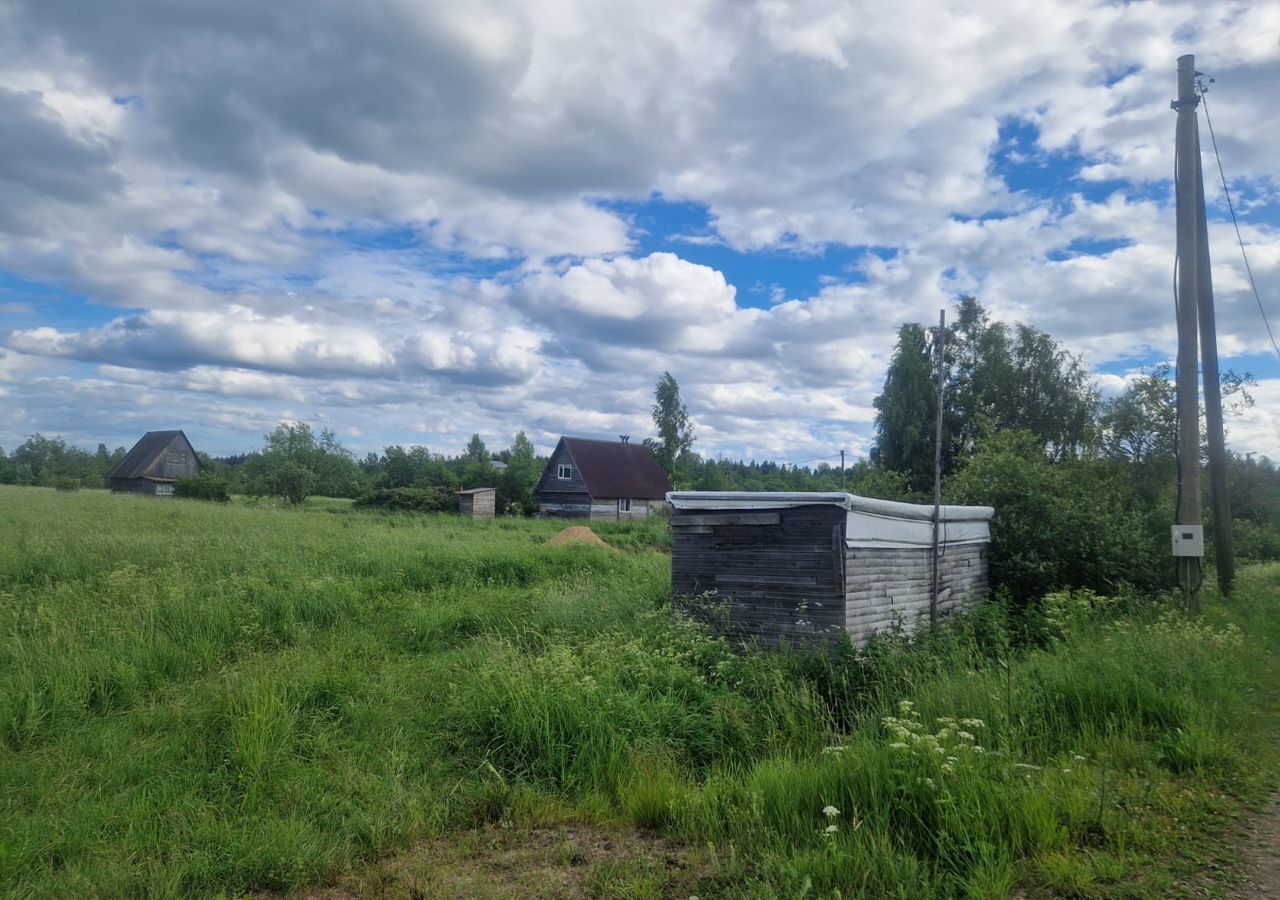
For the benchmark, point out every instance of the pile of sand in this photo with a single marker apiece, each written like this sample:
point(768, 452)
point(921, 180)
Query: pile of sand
point(577, 534)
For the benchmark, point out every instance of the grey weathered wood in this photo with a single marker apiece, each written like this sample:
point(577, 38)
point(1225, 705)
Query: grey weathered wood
point(734, 518)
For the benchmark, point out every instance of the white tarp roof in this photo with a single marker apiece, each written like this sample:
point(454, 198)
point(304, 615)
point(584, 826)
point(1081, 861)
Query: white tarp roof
point(871, 522)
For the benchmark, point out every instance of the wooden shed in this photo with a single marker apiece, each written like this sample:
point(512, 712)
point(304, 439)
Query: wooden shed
point(478, 503)
point(805, 567)
point(586, 478)
point(154, 464)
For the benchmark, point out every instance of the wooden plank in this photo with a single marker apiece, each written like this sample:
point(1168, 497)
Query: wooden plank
point(744, 518)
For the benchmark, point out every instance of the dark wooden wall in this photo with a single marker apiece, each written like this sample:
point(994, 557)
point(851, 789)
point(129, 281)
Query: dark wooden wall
point(133, 486)
point(550, 482)
point(777, 574)
point(565, 498)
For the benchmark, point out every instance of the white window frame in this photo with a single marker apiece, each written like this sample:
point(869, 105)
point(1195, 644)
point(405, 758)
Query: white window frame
point(624, 504)
point(164, 490)
point(564, 471)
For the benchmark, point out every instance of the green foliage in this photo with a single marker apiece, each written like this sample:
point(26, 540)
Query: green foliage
point(999, 378)
point(66, 483)
point(906, 410)
point(407, 499)
point(297, 462)
point(517, 483)
point(1140, 425)
point(50, 461)
point(674, 445)
point(1071, 524)
point(204, 485)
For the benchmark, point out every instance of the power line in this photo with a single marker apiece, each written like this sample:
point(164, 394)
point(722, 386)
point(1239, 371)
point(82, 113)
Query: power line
point(1231, 206)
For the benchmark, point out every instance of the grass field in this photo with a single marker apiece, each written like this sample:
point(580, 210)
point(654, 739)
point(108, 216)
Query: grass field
point(204, 700)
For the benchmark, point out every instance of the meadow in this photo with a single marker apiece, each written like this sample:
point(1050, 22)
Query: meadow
point(203, 700)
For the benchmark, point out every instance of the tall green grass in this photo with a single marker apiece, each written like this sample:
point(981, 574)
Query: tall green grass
point(197, 700)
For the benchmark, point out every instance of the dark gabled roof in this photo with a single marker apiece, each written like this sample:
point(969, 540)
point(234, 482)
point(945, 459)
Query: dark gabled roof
point(615, 469)
point(138, 460)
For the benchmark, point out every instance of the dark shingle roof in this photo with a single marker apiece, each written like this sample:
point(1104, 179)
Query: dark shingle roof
point(615, 469)
point(139, 459)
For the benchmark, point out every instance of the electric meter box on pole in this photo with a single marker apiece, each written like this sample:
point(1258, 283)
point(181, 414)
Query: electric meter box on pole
point(1188, 540)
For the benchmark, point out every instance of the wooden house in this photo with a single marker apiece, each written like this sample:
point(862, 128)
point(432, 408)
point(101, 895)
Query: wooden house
point(806, 567)
point(154, 464)
point(593, 479)
point(478, 503)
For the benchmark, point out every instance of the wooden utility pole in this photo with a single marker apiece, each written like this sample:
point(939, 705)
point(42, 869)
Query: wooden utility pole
point(841, 470)
point(1219, 492)
point(940, 344)
point(1190, 568)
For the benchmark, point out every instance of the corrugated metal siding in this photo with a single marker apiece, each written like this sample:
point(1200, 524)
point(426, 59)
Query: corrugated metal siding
point(887, 585)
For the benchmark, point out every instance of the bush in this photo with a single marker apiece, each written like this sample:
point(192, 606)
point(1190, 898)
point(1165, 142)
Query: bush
point(204, 486)
point(1078, 523)
point(1256, 542)
point(407, 499)
point(66, 483)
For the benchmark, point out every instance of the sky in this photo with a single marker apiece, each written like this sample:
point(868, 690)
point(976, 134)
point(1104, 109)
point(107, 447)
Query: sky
point(412, 220)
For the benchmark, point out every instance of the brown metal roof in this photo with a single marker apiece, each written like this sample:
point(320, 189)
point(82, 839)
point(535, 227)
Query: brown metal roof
point(615, 469)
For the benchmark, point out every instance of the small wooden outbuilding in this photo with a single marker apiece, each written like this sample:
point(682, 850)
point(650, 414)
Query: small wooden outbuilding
point(154, 464)
point(593, 479)
point(805, 567)
point(478, 503)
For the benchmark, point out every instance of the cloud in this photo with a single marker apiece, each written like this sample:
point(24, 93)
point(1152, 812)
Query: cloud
point(443, 218)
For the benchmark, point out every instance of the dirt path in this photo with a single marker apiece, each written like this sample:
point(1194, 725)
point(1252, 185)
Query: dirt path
point(560, 862)
point(1261, 852)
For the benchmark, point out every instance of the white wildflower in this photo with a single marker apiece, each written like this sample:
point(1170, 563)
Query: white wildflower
point(832, 829)
point(830, 812)
point(897, 745)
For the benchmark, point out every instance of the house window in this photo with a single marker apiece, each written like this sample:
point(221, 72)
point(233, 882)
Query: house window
point(164, 490)
point(624, 504)
point(563, 471)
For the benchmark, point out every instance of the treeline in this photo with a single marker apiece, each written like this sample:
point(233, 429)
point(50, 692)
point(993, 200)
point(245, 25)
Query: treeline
point(52, 462)
point(1084, 489)
point(297, 462)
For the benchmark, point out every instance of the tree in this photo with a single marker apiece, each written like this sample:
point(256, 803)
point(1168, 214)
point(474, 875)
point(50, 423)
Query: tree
point(1141, 423)
point(675, 433)
point(517, 482)
point(296, 462)
point(906, 410)
point(477, 467)
point(1000, 379)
